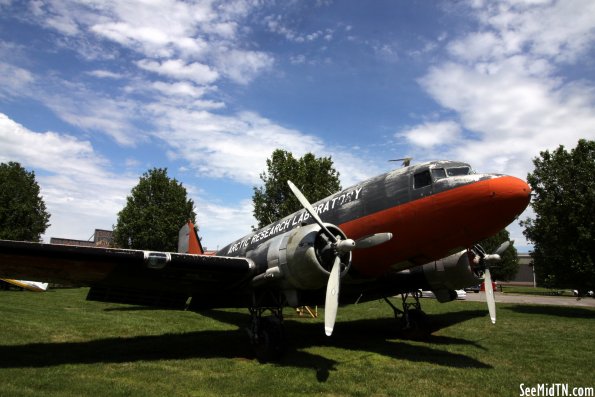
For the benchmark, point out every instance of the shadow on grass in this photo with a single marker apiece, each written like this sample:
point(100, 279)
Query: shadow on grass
point(560, 311)
point(378, 336)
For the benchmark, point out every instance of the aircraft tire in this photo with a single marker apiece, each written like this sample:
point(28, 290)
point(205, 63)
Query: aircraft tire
point(419, 325)
point(271, 340)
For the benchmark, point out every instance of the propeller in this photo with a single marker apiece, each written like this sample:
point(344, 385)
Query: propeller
point(340, 246)
point(489, 288)
point(485, 261)
point(331, 303)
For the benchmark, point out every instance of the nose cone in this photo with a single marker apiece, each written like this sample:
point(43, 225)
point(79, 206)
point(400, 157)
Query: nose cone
point(509, 196)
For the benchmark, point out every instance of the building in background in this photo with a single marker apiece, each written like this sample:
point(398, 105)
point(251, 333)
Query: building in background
point(101, 238)
point(525, 276)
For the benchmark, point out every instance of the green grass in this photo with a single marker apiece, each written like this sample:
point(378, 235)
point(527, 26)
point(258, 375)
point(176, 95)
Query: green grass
point(536, 291)
point(59, 344)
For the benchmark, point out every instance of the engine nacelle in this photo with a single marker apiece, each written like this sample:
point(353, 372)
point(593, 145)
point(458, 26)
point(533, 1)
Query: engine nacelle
point(449, 274)
point(301, 258)
point(453, 272)
point(442, 277)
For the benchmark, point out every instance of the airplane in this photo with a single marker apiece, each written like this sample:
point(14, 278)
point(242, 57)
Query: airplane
point(410, 229)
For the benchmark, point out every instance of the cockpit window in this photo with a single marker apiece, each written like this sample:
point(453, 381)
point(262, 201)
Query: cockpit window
point(438, 173)
point(458, 171)
point(422, 179)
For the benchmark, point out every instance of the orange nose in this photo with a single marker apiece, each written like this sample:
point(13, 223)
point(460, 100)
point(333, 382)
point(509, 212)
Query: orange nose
point(510, 196)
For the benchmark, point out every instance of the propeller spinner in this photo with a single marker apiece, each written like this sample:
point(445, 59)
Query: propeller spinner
point(339, 246)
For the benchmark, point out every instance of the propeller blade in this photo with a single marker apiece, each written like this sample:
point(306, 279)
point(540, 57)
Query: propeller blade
point(306, 204)
point(490, 295)
point(373, 240)
point(502, 248)
point(332, 297)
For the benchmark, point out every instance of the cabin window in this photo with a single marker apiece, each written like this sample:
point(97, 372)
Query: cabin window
point(422, 179)
point(458, 171)
point(438, 173)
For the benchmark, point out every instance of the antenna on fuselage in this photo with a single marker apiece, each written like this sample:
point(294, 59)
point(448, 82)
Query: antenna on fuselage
point(406, 161)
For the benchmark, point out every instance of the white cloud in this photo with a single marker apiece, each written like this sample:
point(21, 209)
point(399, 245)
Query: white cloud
point(14, 81)
point(79, 189)
point(92, 111)
point(105, 74)
point(82, 192)
point(195, 41)
point(178, 69)
point(561, 30)
point(433, 134)
point(276, 24)
point(183, 89)
point(219, 224)
point(234, 147)
point(243, 66)
point(506, 84)
point(477, 46)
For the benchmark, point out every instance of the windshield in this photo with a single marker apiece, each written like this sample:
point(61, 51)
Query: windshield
point(458, 171)
point(438, 173)
point(427, 177)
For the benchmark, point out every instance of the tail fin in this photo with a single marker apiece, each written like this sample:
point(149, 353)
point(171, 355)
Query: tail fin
point(188, 241)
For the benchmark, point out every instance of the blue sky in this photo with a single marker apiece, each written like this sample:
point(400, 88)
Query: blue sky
point(94, 93)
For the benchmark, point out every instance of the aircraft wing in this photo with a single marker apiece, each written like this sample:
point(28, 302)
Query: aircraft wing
point(108, 268)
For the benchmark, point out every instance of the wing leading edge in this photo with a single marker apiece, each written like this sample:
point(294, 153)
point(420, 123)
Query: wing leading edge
point(155, 272)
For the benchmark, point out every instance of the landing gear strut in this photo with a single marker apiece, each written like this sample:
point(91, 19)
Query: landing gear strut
point(267, 334)
point(414, 322)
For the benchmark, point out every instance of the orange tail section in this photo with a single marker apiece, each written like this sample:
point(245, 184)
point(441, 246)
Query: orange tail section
point(188, 241)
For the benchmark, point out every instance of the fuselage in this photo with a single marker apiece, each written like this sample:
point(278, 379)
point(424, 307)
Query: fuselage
point(433, 209)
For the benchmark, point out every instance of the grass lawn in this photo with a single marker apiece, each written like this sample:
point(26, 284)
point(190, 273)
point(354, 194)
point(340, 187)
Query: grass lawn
point(536, 291)
point(56, 343)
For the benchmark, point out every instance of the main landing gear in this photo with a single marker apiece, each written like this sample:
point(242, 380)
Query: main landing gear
point(267, 333)
point(415, 324)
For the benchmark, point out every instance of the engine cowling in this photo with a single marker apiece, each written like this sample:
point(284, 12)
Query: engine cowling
point(448, 274)
point(442, 277)
point(453, 272)
point(300, 259)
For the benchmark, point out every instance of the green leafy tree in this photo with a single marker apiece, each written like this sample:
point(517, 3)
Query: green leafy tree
point(155, 210)
point(314, 176)
point(23, 215)
point(507, 268)
point(563, 231)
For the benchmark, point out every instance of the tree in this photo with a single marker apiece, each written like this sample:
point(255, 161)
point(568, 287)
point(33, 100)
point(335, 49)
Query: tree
point(315, 177)
point(507, 268)
point(23, 215)
point(154, 213)
point(563, 231)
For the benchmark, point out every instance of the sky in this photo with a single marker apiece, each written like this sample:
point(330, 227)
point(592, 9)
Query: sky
point(95, 93)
